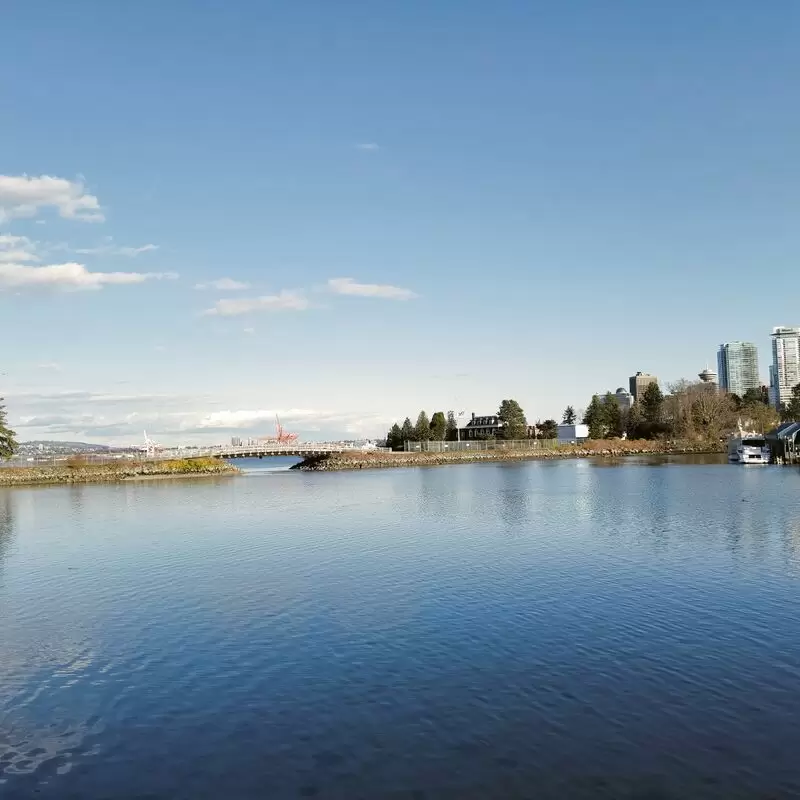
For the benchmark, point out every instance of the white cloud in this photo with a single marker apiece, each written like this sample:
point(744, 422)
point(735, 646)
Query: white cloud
point(368, 146)
point(50, 365)
point(70, 276)
point(284, 301)
point(223, 285)
point(24, 195)
point(247, 419)
point(174, 419)
point(17, 248)
point(108, 248)
point(249, 330)
point(348, 286)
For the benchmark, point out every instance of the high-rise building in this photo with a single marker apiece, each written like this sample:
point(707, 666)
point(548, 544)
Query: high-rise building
point(737, 364)
point(785, 372)
point(639, 382)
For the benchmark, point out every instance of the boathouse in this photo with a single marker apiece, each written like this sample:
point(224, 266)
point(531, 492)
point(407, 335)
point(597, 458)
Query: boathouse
point(784, 443)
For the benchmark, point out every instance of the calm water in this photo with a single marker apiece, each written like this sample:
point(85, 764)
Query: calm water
point(542, 630)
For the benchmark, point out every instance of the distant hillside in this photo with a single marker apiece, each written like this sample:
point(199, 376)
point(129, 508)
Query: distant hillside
point(57, 445)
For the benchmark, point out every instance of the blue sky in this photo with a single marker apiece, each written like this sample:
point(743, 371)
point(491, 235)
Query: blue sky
point(530, 200)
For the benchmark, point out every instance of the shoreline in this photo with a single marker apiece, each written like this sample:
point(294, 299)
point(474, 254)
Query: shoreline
point(340, 462)
point(115, 473)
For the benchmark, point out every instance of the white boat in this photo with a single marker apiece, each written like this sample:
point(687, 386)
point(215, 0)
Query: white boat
point(748, 448)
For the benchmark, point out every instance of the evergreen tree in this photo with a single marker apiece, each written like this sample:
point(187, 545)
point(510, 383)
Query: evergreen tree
point(613, 416)
point(422, 430)
point(633, 423)
point(515, 426)
point(652, 404)
point(407, 431)
point(569, 416)
point(8, 442)
point(595, 418)
point(547, 429)
point(394, 438)
point(438, 426)
point(753, 397)
point(452, 427)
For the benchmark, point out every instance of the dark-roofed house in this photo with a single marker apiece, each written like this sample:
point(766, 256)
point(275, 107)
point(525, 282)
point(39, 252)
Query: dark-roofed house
point(489, 427)
point(483, 427)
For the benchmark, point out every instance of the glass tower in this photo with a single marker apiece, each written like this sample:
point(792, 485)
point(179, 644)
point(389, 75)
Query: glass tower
point(737, 365)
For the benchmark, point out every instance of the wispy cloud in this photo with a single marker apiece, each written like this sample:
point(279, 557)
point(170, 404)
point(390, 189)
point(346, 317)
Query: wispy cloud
point(223, 285)
point(249, 331)
point(52, 365)
point(348, 286)
point(283, 301)
point(15, 249)
point(25, 195)
point(108, 248)
point(71, 277)
point(368, 146)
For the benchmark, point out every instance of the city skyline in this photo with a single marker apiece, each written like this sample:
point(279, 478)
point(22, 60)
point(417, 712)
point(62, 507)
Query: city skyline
point(211, 216)
point(218, 433)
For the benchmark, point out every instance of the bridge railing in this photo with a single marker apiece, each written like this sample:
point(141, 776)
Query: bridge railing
point(215, 451)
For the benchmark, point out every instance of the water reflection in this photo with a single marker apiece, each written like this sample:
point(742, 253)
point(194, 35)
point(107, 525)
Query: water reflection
point(513, 496)
point(6, 524)
point(438, 632)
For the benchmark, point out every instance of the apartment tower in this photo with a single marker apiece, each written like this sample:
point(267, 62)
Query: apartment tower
point(785, 371)
point(737, 365)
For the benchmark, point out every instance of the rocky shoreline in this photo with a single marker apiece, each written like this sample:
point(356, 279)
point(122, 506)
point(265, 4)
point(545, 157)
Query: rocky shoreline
point(331, 462)
point(118, 471)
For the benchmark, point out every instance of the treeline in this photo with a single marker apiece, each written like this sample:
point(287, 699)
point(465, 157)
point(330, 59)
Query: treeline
point(441, 427)
point(437, 428)
point(690, 411)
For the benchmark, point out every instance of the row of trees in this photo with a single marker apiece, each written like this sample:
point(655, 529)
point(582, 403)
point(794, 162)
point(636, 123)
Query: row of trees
point(437, 428)
point(8, 441)
point(691, 411)
point(445, 428)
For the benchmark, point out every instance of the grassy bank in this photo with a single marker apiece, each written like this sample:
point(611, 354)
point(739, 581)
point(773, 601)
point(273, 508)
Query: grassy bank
point(77, 472)
point(615, 448)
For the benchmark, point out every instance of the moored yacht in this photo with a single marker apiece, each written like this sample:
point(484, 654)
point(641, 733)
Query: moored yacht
point(748, 448)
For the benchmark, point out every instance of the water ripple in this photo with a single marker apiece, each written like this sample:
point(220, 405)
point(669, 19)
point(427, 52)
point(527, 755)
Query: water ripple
point(548, 630)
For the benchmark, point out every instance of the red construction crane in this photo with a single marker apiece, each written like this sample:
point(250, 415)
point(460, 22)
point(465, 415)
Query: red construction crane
point(281, 436)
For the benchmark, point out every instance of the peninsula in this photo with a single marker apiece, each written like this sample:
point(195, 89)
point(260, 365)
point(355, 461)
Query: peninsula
point(382, 459)
point(75, 471)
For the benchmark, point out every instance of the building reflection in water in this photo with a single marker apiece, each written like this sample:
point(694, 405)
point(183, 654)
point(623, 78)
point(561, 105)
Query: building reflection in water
point(514, 497)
